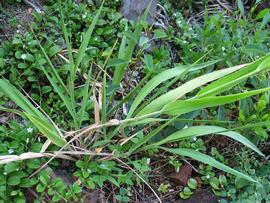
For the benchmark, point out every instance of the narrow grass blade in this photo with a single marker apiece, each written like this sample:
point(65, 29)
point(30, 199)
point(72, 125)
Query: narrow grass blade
point(184, 106)
point(121, 52)
point(66, 36)
point(189, 86)
point(207, 160)
point(196, 131)
point(47, 130)
point(69, 48)
point(126, 53)
point(53, 71)
point(86, 39)
point(86, 95)
point(58, 84)
point(131, 93)
point(65, 98)
point(233, 79)
point(104, 105)
point(149, 136)
point(152, 84)
point(10, 110)
point(18, 98)
point(32, 113)
point(162, 77)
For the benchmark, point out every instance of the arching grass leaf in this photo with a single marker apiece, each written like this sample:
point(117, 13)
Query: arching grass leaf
point(207, 160)
point(185, 106)
point(195, 131)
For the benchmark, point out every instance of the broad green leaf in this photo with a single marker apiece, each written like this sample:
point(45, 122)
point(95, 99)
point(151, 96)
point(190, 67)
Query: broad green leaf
point(214, 182)
point(207, 130)
point(116, 62)
point(262, 14)
point(47, 129)
point(130, 35)
point(184, 106)
point(207, 160)
point(144, 42)
point(54, 50)
point(159, 34)
point(148, 60)
point(28, 57)
point(192, 183)
point(13, 180)
point(189, 86)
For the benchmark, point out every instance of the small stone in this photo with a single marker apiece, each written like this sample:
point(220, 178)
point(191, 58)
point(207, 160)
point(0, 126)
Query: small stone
point(134, 9)
point(182, 177)
point(201, 196)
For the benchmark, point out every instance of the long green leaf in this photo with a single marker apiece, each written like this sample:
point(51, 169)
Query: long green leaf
point(32, 113)
point(131, 93)
point(188, 68)
point(121, 52)
point(58, 84)
point(86, 39)
point(177, 93)
point(10, 110)
point(162, 77)
point(66, 36)
point(184, 106)
point(70, 55)
point(86, 95)
point(207, 160)
point(70, 105)
point(18, 98)
point(103, 102)
point(47, 129)
point(149, 136)
point(233, 79)
point(207, 130)
point(52, 70)
point(125, 53)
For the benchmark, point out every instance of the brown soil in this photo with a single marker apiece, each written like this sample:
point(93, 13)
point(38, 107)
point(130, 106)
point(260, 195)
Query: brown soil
point(13, 19)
